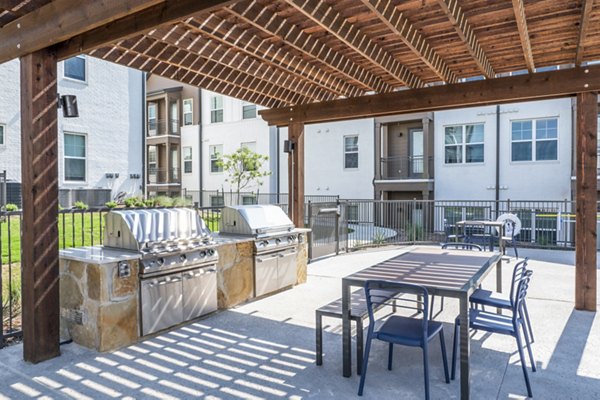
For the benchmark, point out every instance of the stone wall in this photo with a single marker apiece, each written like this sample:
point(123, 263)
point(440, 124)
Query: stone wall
point(302, 260)
point(235, 273)
point(99, 310)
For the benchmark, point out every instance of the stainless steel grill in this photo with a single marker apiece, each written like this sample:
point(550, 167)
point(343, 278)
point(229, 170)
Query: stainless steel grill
point(178, 279)
point(275, 243)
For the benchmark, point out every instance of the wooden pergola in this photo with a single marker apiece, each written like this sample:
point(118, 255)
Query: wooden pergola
point(308, 61)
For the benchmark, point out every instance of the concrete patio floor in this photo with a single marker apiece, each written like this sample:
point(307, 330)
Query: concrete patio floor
point(265, 349)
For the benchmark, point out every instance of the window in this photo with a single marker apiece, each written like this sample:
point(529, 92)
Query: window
point(75, 68)
point(248, 110)
point(350, 152)
point(246, 200)
point(216, 155)
point(2, 135)
point(152, 118)
point(74, 157)
point(541, 146)
point(217, 201)
point(463, 144)
point(187, 160)
point(188, 113)
point(216, 109)
point(151, 160)
point(352, 211)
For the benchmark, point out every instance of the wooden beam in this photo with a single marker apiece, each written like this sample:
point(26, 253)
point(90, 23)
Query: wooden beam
point(401, 26)
point(519, 9)
point(222, 31)
point(586, 13)
point(263, 19)
point(296, 165)
point(60, 20)
point(39, 175)
point(132, 25)
point(587, 192)
point(542, 85)
point(322, 14)
point(465, 32)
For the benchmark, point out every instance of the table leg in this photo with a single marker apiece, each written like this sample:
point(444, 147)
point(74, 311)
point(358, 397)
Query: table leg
point(499, 265)
point(465, 348)
point(346, 331)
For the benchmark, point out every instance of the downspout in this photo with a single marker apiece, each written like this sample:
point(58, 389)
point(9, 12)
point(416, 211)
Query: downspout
point(144, 133)
point(497, 160)
point(200, 154)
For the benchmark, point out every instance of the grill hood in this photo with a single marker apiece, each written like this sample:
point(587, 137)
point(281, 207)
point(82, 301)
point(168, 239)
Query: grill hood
point(257, 220)
point(133, 229)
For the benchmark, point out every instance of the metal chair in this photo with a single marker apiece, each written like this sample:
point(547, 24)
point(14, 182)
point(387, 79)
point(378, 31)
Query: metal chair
point(402, 330)
point(488, 298)
point(512, 227)
point(458, 246)
point(505, 325)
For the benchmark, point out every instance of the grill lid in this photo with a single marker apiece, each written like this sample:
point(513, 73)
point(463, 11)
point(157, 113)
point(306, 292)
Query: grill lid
point(132, 229)
point(254, 220)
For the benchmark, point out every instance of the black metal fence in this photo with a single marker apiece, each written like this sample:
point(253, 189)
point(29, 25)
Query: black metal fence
point(218, 198)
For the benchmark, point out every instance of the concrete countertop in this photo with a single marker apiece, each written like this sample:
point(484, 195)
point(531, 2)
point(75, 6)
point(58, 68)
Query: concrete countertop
point(97, 254)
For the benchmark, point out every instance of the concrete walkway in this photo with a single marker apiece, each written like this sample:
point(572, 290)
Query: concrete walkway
point(265, 349)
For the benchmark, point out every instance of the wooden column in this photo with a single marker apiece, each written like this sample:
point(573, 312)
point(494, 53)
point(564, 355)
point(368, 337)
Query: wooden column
point(585, 228)
point(296, 173)
point(39, 174)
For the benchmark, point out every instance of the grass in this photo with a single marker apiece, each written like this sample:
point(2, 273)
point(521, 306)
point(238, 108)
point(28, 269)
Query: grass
point(74, 230)
point(11, 287)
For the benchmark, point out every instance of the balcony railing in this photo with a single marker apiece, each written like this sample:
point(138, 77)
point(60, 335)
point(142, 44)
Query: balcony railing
point(406, 167)
point(163, 175)
point(158, 127)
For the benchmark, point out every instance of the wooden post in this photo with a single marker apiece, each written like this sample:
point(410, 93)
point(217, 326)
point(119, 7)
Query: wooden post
point(296, 166)
point(585, 231)
point(39, 174)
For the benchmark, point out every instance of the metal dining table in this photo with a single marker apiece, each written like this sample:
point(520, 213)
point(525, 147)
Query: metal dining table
point(449, 273)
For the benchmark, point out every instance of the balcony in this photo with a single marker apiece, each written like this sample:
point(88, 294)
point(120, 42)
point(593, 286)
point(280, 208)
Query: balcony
point(163, 176)
point(406, 167)
point(159, 127)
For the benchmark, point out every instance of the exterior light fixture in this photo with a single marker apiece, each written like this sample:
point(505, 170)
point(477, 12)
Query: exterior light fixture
point(288, 146)
point(68, 103)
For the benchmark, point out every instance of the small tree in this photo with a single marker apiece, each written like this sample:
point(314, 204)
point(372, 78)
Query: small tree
point(243, 168)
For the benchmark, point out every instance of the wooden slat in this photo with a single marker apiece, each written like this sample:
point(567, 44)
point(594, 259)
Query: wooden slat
point(195, 44)
point(465, 32)
point(61, 20)
point(270, 23)
point(543, 85)
point(164, 69)
point(585, 227)
point(401, 26)
point(242, 39)
point(132, 25)
point(325, 16)
point(586, 13)
point(296, 165)
point(39, 174)
point(521, 18)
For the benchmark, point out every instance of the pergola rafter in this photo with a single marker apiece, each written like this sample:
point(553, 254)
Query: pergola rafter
point(586, 13)
point(270, 23)
point(521, 18)
point(397, 23)
point(455, 14)
point(332, 21)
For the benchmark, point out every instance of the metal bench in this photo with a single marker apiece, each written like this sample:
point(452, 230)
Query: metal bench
point(358, 312)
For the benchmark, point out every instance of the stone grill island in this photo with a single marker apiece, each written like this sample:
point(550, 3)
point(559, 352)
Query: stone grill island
point(101, 299)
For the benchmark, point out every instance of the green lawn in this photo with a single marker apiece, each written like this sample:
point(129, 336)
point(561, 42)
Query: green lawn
point(74, 230)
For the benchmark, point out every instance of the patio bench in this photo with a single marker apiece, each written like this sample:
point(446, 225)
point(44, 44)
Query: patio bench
point(358, 313)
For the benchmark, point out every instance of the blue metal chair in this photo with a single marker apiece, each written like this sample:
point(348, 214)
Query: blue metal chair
point(488, 298)
point(505, 325)
point(402, 330)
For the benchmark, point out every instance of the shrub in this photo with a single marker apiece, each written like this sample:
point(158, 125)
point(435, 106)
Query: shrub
point(134, 202)
point(11, 296)
point(181, 202)
point(80, 205)
point(11, 207)
point(111, 204)
point(149, 202)
point(163, 201)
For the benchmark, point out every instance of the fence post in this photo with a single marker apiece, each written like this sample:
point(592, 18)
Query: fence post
point(412, 218)
point(311, 233)
point(337, 227)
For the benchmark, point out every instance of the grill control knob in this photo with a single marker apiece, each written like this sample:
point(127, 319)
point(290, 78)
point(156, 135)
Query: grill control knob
point(290, 239)
point(277, 240)
point(160, 261)
point(203, 253)
point(182, 257)
point(264, 243)
point(211, 252)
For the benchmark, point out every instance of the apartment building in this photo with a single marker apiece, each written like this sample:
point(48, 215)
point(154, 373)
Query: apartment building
point(100, 153)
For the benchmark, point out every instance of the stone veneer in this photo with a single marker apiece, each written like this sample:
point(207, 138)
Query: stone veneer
point(107, 304)
point(235, 273)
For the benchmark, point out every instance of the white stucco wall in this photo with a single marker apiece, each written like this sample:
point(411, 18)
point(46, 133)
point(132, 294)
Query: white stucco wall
point(110, 116)
point(530, 180)
point(324, 160)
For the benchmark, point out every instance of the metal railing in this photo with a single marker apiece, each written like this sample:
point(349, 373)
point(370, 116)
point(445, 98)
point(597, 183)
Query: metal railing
point(218, 198)
point(163, 175)
point(2, 189)
point(158, 127)
point(406, 167)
